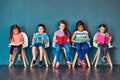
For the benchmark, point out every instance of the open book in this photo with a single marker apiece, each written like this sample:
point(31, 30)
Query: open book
point(103, 38)
point(62, 40)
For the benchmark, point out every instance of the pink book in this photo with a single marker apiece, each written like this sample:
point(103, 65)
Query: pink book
point(103, 38)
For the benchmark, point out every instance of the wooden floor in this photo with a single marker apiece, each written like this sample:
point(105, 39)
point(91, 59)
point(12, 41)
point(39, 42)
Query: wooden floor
point(64, 73)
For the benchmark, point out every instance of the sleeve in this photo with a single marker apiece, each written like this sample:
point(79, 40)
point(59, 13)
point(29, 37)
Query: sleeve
point(55, 33)
point(45, 36)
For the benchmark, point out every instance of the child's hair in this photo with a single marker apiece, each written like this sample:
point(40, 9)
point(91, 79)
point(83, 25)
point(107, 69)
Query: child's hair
point(15, 26)
point(42, 25)
point(80, 23)
point(66, 31)
point(103, 25)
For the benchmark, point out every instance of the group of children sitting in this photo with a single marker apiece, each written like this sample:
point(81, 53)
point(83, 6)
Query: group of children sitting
point(80, 39)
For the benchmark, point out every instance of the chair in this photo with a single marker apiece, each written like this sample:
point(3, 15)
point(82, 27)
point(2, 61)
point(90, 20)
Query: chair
point(76, 56)
point(97, 55)
point(46, 59)
point(24, 57)
point(54, 60)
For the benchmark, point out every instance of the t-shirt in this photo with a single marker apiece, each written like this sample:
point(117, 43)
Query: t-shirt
point(79, 36)
point(38, 37)
point(17, 38)
point(59, 33)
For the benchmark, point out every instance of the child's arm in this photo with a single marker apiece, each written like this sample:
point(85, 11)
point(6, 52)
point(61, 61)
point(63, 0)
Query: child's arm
point(73, 39)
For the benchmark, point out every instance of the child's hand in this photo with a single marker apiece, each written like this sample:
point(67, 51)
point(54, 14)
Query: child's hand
point(56, 40)
point(95, 41)
point(68, 40)
point(42, 39)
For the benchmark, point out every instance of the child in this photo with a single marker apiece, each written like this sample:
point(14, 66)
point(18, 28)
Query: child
point(80, 39)
point(16, 40)
point(102, 39)
point(39, 40)
point(62, 32)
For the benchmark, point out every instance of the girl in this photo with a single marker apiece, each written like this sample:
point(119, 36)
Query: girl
point(39, 40)
point(80, 39)
point(102, 39)
point(62, 32)
point(16, 40)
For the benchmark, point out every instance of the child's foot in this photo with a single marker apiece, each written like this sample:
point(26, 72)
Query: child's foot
point(69, 63)
point(40, 63)
point(79, 62)
point(104, 59)
point(34, 61)
point(83, 64)
point(19, 57)
point(56, 66)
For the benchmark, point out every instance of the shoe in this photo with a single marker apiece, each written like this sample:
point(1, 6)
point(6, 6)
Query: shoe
point(83, 64)
point(40, 63)
point(69, 63)
point(56, 67)
point(110, 46)
point(79, 62)
point(34, 61)
point(19, 57)
point(104, 59)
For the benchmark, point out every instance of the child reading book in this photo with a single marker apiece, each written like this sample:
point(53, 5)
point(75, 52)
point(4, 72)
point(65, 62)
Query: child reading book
point(80, 39)
point(103, 39)
point(61, 38)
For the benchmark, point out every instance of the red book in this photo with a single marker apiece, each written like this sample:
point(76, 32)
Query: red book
point(62, 40)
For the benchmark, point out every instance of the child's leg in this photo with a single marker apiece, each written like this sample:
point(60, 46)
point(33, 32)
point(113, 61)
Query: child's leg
point(78, 48)
point(11, 52)
point(58, 47)
point(41, 49)
point(66, 46)
point(34, 52)
point(85, 49)
point(105, 49)
point(19, 51)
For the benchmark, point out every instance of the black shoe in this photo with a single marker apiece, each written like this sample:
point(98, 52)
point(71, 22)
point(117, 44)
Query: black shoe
point(40, 63)
point(34, 61)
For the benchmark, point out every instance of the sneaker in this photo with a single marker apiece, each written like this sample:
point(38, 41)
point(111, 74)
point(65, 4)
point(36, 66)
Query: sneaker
point(19, 57)
point(83, 64)
point(69, 63)
point(40, 63)
point(34, 61)
point(104, 59)
point(56, 67)
point(79, 62)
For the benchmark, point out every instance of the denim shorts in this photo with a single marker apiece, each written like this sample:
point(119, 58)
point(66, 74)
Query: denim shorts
point(39, 44)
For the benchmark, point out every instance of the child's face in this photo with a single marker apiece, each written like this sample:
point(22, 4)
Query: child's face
point(15, 31)
point(80, 28)
point(62, 26)
point(102, 30)
point(40, 29)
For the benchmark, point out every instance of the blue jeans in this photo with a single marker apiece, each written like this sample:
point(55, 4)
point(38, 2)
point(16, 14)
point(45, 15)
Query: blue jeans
point(58, 47)
point(82, 49)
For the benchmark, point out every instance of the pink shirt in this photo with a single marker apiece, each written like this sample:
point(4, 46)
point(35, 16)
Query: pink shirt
point(59, 33)
point(17, 38)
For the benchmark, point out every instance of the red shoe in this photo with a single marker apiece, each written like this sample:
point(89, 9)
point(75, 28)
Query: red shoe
point(79, 62)
point(69, 63)
point(56, 67)
point(83, 64)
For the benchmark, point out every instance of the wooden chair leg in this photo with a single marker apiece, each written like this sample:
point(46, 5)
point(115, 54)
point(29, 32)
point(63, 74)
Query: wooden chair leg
point(109, 60)
point(97, 57)
point(75, 59)
point(46, 63)
point(54, 61)
point(88, 62)
point(25, 57)
point(46, 57)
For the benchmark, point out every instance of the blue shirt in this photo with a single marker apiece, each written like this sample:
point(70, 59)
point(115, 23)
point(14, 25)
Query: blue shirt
point(38, 37)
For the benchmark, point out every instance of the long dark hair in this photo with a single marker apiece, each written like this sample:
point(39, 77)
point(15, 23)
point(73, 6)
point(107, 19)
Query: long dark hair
point(103, 25)
point(79, 23)
point(42, 25)
point(66, 31)
point(15, 26)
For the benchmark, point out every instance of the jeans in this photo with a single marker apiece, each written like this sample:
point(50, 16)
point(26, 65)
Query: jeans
point(82, 49)
point(18, 47)
point(103, 48)
point(58, 47)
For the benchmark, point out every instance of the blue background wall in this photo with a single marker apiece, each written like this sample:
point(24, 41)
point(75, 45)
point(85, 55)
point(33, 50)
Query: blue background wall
point(29, 13)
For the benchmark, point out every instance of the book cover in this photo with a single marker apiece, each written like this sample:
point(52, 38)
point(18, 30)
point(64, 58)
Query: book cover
point(62, 40)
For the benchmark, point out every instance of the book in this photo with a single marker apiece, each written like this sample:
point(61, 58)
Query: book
point(62, 39)
point(103, 38)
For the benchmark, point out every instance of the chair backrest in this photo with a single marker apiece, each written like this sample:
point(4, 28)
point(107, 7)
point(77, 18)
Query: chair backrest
point(95, 44)
point(25, 44)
